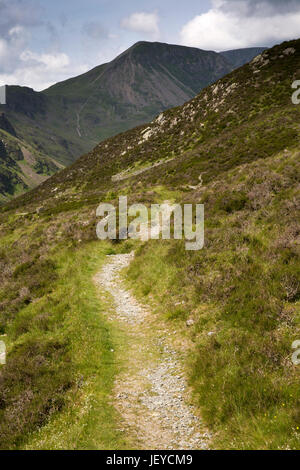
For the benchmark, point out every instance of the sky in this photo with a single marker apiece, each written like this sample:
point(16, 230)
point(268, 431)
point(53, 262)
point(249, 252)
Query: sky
point(46, 41)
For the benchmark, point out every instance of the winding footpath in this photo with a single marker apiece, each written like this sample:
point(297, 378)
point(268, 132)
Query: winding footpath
point(150, 393)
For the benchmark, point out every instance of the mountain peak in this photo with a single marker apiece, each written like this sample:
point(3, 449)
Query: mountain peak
point(151, 46)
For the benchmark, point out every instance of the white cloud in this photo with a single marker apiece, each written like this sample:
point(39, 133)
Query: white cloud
point(142, 22)
point(19, 65)
point(230, 25)
point(49, 61)
point(39, 71)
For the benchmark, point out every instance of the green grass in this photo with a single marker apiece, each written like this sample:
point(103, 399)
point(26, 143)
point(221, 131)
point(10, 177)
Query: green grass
point(63, 350)
point(244, 288)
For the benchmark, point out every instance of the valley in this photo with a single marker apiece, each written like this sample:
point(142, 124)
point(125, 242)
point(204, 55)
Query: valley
point(86, 369)
point(22, 166)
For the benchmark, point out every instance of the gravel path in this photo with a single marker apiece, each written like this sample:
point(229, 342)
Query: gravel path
point(151, 393)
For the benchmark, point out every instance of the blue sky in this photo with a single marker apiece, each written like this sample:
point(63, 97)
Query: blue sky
point(73, 20)
point(45, 41)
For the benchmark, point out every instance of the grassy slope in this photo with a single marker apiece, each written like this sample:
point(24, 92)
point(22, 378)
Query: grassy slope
point(244, 287)
point(88, 421)
point(60, 356)
point(244, 140)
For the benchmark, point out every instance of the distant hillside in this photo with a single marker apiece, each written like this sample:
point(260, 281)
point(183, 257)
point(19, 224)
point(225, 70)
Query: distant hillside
point(22, 166)
point(239, 57)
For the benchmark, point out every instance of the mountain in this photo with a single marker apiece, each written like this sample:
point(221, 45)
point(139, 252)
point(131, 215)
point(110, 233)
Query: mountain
point(69, 118)
point(234, 148)
point(22, 166)
point(239, 57)
point(138, 84)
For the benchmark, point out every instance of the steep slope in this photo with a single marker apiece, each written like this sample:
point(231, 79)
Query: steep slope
point(144, 80)
point(232, 122)
point(69, 118)
point(22, 166)
point(239, 57)
point(235, 148)
point(38, 121)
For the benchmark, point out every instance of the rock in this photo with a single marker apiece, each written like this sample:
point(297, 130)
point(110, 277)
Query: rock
point(161, 119)
point(190, 322)
point(289, 51)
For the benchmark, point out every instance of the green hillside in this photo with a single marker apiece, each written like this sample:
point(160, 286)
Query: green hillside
point(235, 148)
point(22, 166)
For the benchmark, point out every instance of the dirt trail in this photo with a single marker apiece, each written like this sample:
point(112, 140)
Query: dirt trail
point(150, 391)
